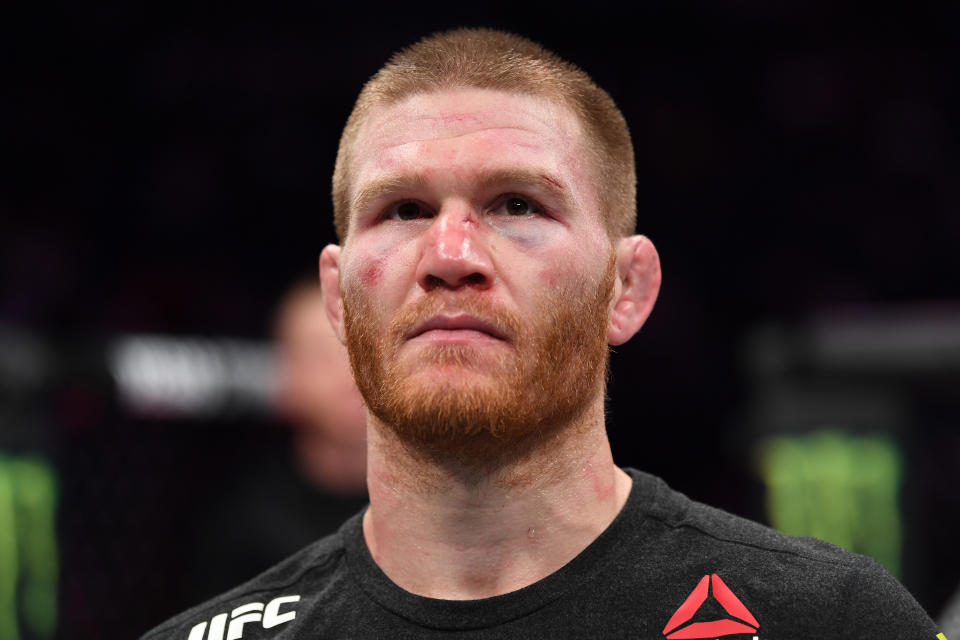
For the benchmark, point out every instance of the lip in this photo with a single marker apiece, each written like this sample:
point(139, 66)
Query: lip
point(456, 325)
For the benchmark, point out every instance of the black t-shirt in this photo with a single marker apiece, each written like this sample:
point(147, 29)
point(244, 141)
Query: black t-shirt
point(272, 513)
point(666, 567)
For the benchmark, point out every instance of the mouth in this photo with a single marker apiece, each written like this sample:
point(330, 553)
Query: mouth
point(456, 327)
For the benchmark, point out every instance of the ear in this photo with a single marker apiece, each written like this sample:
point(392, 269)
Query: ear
point(330, 283)
point(638, 268)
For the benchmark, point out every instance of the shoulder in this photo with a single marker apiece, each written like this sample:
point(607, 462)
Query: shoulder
point(270, 599)
point(782, 579)
point(686, 521)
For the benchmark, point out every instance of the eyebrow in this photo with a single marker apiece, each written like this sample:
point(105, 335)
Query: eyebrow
point(387, 185)
point(552, 185)
point(384, 186)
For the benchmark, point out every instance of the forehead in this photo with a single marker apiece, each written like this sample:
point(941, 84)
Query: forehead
point(480, 129)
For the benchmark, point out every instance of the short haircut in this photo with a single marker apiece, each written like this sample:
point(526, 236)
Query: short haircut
point(489, 59)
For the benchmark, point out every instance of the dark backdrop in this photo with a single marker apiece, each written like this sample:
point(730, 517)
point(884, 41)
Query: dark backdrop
point(169, 172)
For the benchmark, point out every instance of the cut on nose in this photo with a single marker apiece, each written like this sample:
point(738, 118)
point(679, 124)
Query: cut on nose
point(454, 255)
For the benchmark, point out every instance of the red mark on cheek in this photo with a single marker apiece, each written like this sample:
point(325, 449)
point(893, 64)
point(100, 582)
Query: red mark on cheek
point(371, 275)
point(548, 277)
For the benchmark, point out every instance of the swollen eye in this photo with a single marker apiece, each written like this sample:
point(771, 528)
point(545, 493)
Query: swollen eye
point(408, 211)
point(517, 206)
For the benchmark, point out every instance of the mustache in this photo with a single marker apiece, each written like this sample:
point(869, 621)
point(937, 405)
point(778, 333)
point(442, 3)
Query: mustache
point(478, 306)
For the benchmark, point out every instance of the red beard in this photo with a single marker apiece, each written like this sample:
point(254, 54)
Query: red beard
point(511, 400)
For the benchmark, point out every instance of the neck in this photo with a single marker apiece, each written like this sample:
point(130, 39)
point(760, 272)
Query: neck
point(442, 532)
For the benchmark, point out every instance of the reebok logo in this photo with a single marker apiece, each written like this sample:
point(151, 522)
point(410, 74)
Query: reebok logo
point(268, 615)
point(740, 620)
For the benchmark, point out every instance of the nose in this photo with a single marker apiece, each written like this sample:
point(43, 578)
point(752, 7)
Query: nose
point(454, 252)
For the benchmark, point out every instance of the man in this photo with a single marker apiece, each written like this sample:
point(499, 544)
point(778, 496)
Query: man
point(484, 198)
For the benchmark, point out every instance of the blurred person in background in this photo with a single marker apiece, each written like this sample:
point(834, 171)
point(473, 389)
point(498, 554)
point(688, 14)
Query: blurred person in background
point(288, 501)
point(318, 396)
point(485, 204)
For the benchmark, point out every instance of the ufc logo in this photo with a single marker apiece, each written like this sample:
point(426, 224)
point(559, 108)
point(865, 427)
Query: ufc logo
point(269, 616)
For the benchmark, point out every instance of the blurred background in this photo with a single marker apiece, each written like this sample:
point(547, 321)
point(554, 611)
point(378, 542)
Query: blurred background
point(167, 184)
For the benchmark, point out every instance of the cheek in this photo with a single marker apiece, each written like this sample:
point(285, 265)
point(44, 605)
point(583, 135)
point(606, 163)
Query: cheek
point(370, 275)
point(548, 276)
point(376, 263)
point(580, 264)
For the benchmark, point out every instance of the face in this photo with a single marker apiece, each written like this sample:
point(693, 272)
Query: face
point(477, 274)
